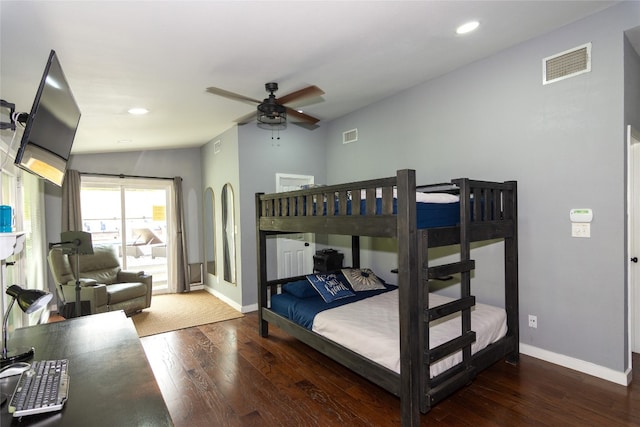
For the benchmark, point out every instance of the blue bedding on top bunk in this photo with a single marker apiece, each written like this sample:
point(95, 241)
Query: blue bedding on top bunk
point(303, 310)
point(436, 214)
point(428, 214)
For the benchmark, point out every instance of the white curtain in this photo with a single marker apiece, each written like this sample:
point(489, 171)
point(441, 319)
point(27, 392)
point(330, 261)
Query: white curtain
point(33, 202)
point(36, 246)
point(29, 270)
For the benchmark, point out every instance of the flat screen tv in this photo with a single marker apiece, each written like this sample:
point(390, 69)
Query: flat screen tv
point(51, 126)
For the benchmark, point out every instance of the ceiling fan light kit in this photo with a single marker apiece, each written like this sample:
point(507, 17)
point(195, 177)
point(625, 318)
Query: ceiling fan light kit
point(271, 115)
point(272, 121)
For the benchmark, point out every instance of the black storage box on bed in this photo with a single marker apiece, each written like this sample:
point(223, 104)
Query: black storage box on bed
point(327, 260)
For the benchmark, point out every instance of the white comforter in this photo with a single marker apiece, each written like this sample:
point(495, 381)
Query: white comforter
point(370, 327)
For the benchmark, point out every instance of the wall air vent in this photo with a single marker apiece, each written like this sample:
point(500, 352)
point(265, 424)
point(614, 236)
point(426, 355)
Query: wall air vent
point(566, 64)
point(350, 136)
point(217, 146)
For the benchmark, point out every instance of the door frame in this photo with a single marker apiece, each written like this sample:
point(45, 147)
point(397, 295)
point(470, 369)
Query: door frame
point(307, 238)
point(633, 237)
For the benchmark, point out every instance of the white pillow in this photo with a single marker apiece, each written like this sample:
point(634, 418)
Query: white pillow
point(420, 197)
point(437, 198)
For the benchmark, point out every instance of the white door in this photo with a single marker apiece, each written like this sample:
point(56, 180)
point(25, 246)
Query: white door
point(295, 251)
point(634, 234)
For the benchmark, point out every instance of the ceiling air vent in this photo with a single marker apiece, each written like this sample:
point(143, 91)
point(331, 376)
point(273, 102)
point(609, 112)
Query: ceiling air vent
point(566, 64)
point(350, 136)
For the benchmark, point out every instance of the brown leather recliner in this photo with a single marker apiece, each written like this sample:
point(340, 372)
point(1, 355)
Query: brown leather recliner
point(103, 283)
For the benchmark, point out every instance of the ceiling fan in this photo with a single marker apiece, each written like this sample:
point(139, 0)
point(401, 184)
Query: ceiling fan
point(272, 112)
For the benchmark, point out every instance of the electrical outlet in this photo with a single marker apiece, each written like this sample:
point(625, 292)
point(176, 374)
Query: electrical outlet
point(533, 321)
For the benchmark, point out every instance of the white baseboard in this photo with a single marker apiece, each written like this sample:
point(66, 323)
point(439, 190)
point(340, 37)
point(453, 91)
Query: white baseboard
point(235, 305)
point(250, 308)
point(622, 378)
point(223, 297)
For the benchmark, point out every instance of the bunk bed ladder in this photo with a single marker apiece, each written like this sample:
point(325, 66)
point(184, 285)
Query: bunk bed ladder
point(446, 383)
point(465, 273)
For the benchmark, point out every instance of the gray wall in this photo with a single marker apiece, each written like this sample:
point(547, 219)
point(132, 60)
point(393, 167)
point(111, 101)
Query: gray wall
point(632, 84)
point(259, 159)
point(299, 151)
point(632, 117)
point(564, 144)
point(218, 170)
point(158, 163)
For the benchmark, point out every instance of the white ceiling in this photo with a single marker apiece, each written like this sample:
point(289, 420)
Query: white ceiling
point(163, 54)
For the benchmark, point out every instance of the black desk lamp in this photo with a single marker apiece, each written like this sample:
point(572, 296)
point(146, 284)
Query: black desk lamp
point(30, 301)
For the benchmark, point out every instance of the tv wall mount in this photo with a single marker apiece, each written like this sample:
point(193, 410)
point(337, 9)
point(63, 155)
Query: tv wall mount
point(22, 117)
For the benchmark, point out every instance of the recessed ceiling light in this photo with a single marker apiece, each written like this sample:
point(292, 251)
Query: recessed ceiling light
point(138, 111)
point(468, 27)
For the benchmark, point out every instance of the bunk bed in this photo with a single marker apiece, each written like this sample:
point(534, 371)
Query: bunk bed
point(387, 207)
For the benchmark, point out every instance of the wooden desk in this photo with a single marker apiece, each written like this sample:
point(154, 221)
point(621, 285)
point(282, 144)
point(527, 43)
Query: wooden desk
point(110, 380)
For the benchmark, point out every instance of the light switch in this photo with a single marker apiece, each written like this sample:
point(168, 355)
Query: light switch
point(580, 229)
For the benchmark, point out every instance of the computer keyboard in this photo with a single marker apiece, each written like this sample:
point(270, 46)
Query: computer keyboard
point(43, 388)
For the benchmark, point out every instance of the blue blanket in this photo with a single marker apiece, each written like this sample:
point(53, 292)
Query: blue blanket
point(303, 310)
point(428, 215)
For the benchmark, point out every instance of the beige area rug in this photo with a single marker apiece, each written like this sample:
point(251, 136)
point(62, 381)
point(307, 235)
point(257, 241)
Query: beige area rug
point(171, 312)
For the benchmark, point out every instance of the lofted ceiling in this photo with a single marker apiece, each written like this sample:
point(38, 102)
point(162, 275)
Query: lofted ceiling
point(162, 55)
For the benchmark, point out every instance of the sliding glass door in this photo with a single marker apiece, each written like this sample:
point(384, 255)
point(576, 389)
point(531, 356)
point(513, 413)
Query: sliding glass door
point(132, 215)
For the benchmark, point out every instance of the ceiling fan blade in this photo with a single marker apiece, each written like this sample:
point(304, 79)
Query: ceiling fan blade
point(246, 118)
point(307, 92)
point(231, 95)
point(301, 117)
point(305, 125)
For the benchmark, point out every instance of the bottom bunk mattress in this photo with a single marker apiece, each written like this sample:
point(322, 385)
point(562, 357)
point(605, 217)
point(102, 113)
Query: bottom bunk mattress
point(370, 325)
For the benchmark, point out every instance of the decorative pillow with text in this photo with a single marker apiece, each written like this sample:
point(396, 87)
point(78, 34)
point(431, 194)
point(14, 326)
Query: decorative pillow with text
point(330, 286)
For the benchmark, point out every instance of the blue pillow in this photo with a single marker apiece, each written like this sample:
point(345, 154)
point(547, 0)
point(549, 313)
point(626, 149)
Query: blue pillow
point(300, 289)
point(330, 286)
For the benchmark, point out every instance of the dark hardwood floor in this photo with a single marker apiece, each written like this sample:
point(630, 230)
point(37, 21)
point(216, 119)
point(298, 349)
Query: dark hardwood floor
point(224, 374)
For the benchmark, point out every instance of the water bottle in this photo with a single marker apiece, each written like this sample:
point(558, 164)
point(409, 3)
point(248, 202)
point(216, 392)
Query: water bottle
point(6, 219)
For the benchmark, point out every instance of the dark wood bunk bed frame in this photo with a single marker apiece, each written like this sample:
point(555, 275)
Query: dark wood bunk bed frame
point(494, 218)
